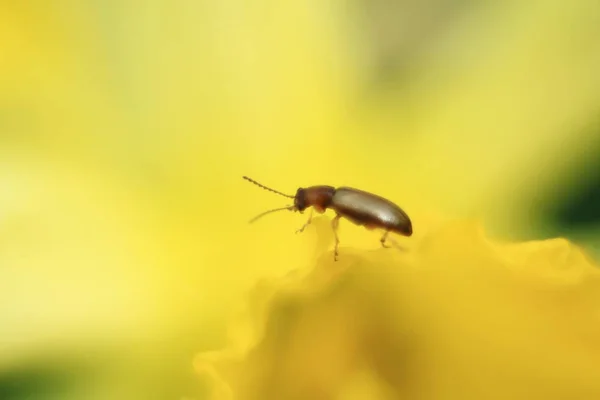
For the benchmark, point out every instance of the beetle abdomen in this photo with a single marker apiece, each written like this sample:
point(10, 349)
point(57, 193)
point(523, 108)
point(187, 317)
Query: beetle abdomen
point(364, 208)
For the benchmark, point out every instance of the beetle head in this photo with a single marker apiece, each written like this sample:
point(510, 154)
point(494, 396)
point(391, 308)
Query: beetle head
point(300, 200)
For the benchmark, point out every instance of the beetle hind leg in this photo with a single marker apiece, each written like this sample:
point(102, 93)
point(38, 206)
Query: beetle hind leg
point(334, 225)
point(383, 239)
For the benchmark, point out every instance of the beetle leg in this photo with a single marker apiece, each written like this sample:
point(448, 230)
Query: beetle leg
point(334, 224)
point(307, 222)
point(383, 238)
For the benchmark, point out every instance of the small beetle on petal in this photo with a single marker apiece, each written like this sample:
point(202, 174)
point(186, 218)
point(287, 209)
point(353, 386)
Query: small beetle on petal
point(360, 207)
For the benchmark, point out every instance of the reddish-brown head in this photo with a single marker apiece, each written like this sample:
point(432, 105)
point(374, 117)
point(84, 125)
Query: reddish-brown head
point(318, 197)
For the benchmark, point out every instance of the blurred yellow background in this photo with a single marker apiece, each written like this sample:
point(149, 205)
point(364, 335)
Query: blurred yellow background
point(125, 128)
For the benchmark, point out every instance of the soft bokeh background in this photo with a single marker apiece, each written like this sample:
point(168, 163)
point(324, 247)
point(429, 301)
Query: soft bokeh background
point(125, 128)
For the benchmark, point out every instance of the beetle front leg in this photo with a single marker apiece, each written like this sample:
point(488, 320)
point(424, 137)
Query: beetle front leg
point(334, 225)
point(307, 222)
point(383, 239)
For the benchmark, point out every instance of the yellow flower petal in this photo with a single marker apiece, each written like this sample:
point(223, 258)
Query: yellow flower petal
point(455, 316)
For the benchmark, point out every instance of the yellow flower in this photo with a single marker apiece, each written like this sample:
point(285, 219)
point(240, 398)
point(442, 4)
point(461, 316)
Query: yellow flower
point(125, 129)
point(455, 316)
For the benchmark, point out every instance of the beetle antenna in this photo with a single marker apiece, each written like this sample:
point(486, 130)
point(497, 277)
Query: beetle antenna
point(291, 208)
point(266, 188)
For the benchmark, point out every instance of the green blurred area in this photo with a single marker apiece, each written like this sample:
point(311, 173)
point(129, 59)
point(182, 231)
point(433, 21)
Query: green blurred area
point(171, 103)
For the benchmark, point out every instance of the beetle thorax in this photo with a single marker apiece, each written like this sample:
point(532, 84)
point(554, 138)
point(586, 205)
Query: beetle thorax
point(318, 197)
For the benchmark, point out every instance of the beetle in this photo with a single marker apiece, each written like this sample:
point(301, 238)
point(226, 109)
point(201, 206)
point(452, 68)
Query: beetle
point(359, 207)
